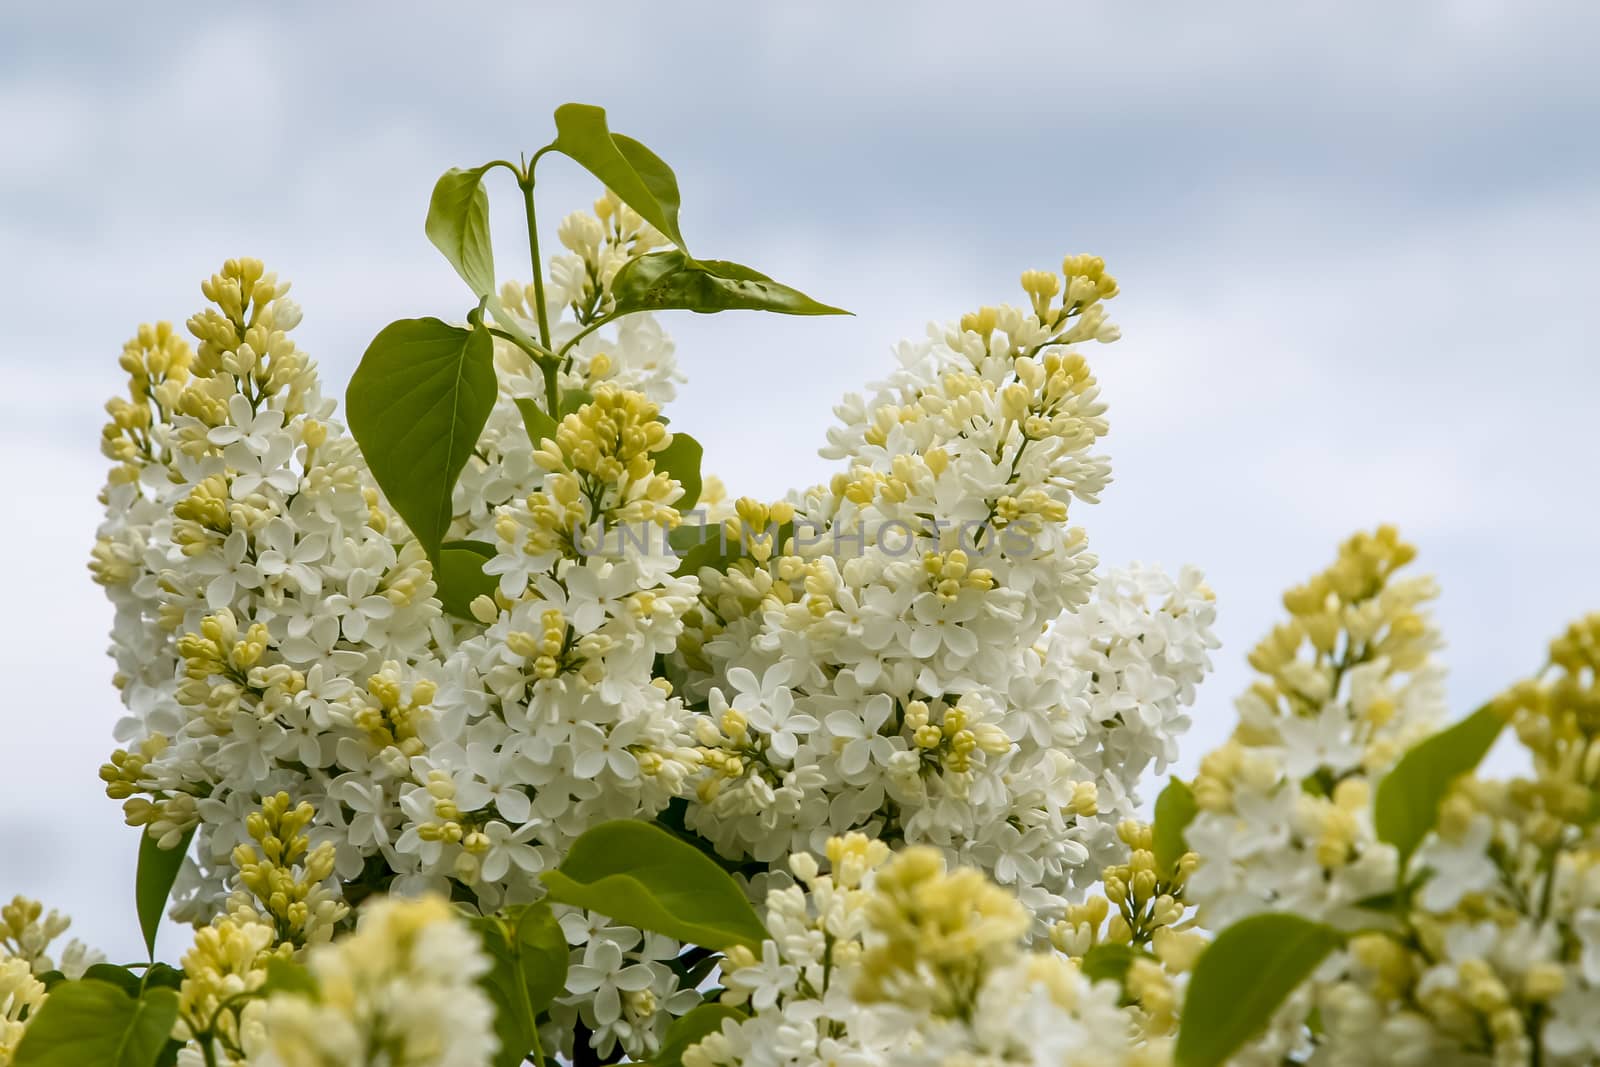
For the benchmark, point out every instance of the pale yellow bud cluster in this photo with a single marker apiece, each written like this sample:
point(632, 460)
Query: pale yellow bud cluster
point(600, 468)
point(114, 562)
point(1334, 822)
point(167, 816)
point(962, 395)
point(757, 527)
point(933, 934)
point(1358, 613)
point(287, 877)
point(851, 857)
point(1079, 315)
point(392, 715)
point(227, 962)
point(448, 825)
point(410, 579)
point(556, 511)
point(602, 242)
point(203, 517)
point(124, 774)
point(26, 931)
point(245, 335)
point(908, 474)
point(543, 650)
point(950, 572)
point(244, 350)
point(1087, 282)
point(1388, 966)
point(21, 997)
point(950, 736)
point(1139, 900)
point(728, 751)
point(1479, 1003)
point(1141, 906)
point(217, 662)
point(157, 361)
point(713, 495)
point(1149, 985)
point(608, 439)
point(1557, 718)
point(1043, 387)
point(624, 226)
point(1031, 503)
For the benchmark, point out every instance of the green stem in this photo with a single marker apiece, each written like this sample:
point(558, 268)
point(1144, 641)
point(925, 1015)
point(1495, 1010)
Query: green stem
point(533, 348)
point(561, 354)
point(1537, 1012)
point(538, 263)
point(552, 391)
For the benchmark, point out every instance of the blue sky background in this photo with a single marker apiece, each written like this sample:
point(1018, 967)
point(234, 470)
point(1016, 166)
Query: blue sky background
point(1355, 240)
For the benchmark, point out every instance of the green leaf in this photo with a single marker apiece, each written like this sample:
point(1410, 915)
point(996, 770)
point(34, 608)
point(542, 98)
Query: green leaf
point(643, 876)
point(1175, 810)
point(703, 545)
point(628, 168)
point(1395, 901)
point(572, 400)
point(286, 976)
point(416, 406)
point(671, 280)
point(529, 954)
point(681, 460)
point(93, 1022)
point(535, 420)
point(111, 974)
point(458, 226)
point(691, 1029)
point(1406, 807)
point(1242, 978)
point(1109, 962)
point(158, 869)
point(460, 576)
point(169, 1055)
point(674, 820)
point(161, 976)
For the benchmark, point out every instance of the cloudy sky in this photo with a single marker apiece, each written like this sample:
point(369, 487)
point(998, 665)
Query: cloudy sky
point(1356, 246)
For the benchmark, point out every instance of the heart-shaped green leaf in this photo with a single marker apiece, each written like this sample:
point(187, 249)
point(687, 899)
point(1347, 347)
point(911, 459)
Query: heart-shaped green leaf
point(671, 280)
point(572, 400)
point(111, 974)
point(691, 1029)
point(458, 226)
point(416, 405)
point(529, 955)
point(157, 870)
point(1242, 978)
point(703, 545)
point(538, 424)
point(1406, 805)
point(680, 460)
point(1109, 961)
point(93, 1022)
point(460, 576)
point(1175, 810)
point(637, 175)
point(641, 875)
